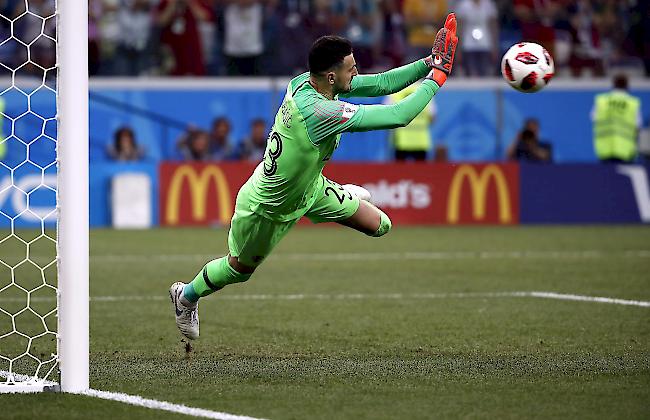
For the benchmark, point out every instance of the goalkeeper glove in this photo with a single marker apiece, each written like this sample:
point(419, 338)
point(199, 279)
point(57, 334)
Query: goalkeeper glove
point(442, 53)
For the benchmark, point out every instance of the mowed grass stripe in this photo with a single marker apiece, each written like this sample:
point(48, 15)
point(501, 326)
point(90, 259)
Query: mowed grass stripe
point(386, 256)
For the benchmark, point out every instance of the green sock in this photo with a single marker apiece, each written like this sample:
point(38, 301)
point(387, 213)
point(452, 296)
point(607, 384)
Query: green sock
point(384, 225)
point(215, 276)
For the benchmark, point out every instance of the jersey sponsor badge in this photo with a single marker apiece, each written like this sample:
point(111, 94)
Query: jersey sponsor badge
point(348, 111)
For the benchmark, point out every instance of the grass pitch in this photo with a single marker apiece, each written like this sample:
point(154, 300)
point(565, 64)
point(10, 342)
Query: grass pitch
point(336, 325)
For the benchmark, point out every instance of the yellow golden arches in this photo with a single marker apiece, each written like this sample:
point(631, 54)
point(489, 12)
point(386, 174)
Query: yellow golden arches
point(478, 184)
point(198, 185)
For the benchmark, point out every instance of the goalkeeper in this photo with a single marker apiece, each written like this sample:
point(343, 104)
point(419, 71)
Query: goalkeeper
point(289, 183)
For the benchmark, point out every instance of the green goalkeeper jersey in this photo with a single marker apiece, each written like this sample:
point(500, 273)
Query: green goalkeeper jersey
point(307, 130)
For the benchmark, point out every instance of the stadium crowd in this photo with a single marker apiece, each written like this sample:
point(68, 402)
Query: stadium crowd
point(271, 37)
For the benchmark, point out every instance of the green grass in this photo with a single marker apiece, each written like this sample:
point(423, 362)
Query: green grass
point(374, 357)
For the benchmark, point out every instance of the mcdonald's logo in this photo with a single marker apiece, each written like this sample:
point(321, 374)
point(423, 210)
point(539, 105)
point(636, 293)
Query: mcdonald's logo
point(478, 181)
point(198, 180)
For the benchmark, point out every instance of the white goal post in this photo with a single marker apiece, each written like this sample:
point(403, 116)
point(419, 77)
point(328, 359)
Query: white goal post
point(26, 330)
point(72, 232)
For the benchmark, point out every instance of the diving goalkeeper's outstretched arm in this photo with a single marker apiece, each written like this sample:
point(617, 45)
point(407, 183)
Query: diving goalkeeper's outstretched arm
point(334, 116)
point(391, 81)
point(394, 80)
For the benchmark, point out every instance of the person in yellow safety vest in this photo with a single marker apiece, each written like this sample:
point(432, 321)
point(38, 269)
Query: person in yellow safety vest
point(414, 140)
point(3, 144)
point(616, 117)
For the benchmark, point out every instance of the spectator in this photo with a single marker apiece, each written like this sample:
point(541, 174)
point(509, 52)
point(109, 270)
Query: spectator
point(394, 34)
point(253, 147)
point(586, 51)
point(527, 146)
point(124, 147)
point(209, 38)
point(35, 31)
point(358, 20)
point(537, 21)
point(319, 21)
point(608, 23)
point(422, 18)
point(179, 31)
point(108, 25)
point(638, 38)
point(183, 143)
point(12, 54)
point(134, 19)
point(220, 143)
point(243, 37)
point(414, 140)
point(273, 42)
point(8, 9)
point(616, 117)
point(94, 38)
point(195, 146)
point(477, 19)
point(302, 26)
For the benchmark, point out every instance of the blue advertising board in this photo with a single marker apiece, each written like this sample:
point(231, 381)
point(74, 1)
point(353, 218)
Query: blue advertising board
point(159, 117)
point(101, 175)
point(29, 200)
point(584, 193)
point(27, 168)
point(27, 196)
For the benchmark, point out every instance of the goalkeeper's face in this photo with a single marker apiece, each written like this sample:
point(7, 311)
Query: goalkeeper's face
point(344, 74)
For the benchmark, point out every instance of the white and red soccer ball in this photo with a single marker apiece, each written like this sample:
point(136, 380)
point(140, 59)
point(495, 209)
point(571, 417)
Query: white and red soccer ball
point(527, 67)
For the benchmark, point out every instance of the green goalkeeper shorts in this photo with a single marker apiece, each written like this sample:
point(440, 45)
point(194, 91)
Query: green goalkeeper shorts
point(253, 236)
point(334, 203)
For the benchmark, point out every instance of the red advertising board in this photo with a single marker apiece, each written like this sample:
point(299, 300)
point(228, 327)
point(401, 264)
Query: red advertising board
point(199, 193)
point(410, 193)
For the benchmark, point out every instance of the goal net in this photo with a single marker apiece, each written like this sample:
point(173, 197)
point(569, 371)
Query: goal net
point(43, 196)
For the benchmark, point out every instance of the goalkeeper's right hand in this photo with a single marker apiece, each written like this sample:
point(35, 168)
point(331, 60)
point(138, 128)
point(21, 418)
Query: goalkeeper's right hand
point(442, 53)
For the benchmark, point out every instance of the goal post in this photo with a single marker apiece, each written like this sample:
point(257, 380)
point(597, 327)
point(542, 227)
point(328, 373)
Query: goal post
point(72, 194)
point(44, 287)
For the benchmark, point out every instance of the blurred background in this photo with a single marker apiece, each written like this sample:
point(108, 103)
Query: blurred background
point(272, 37)
point(200, 81)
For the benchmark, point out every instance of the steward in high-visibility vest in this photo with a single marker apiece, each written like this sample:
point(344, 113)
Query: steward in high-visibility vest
point(616, 119)
point(414, 140)
point(3, 144)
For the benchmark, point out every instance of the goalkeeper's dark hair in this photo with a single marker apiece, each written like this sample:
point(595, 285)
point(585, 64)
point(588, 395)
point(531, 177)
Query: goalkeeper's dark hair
point(328, 52)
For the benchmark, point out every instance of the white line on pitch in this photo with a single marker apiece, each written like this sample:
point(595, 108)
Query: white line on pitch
point(400, 296)
point(371, 296)
point(580, 298)
point(17, 379)
point(164, 405)
point(24, 383)
point(388, 256)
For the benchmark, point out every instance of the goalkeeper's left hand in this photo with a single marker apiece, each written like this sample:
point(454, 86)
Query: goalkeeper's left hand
point(443, 51)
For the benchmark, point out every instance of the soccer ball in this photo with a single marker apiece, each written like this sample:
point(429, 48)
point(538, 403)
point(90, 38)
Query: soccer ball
point(527, 67)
